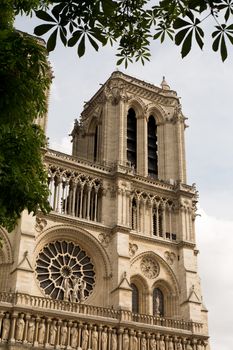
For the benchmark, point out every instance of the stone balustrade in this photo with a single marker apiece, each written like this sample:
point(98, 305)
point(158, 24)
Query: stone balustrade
point(41, 303)
point(22, 326)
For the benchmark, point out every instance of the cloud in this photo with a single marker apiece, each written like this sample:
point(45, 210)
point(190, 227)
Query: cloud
point(215, 241)
point(64, 145)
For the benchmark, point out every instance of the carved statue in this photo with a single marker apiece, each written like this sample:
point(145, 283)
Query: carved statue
point(162, 343)
point(67, 289)
point(157, 305)
point(74, 336)
point(82, 289)
point(6, 327)
point(189, 346)
point(76, 285)
point(114, 340)
point(135, 341)
point(143, 343)
point(20, 328)
point(104, 339)
point(126, 341)
point(52, 333)
point(170, 345)
point(153, 345)
point(64, 331)
point(94, 339)
point(31, 330)
point(41, 333)
point(85, 335)
point(179, 345)
point(199, 346)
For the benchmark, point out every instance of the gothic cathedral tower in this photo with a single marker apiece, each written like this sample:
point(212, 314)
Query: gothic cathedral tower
point(114, 265)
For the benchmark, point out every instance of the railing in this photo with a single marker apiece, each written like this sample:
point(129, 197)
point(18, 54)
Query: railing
point(31, 321)
point(30, 301)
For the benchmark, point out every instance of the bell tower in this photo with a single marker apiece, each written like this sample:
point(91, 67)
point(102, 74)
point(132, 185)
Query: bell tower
point(114, 265)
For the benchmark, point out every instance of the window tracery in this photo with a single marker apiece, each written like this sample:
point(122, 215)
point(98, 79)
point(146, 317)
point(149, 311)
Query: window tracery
point(65, 271)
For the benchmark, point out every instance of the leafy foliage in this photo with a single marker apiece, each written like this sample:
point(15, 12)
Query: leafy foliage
point(25, 78)
point(134, 24)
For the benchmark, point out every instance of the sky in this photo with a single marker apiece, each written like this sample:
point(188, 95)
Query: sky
point(205, 86)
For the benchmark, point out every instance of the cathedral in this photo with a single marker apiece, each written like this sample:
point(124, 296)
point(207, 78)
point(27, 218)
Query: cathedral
point(114, 264)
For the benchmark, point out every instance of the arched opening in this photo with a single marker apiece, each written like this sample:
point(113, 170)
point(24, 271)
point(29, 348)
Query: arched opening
point(132, 137)
point(152, 147)
point(134, 214)
point(158, 302)
point(135, 298)
point(95, 153)
point(157, 222)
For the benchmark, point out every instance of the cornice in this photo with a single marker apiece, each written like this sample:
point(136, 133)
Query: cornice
point(73, 220)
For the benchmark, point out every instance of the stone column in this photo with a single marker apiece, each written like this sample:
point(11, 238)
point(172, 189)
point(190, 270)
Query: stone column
point(25, 336)
point(120, 332)
point(47, 332)
point(36, 331)
point(59, 323)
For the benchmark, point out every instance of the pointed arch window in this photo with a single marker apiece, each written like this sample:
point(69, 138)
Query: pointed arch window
point(157, 222)
point(132, 137)
point(96, 144)
point(158, 302)
point(135, 298)
point(152, 147)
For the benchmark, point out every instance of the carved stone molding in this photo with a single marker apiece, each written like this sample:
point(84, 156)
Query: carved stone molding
point(115, 91)
point(170, 257)
point(132, 249)
point(40, 224)
point(104, 238)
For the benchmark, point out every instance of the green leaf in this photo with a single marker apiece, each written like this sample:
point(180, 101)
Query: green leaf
point(230, 38)
point(179, 23)
point(227, 14)
point(179, 37)
point(157, 35)
point(200, 31)
point(162, 37)
point(93, 43)
point(187, 44)
point(81, 47)
point(190, 15)
point(44, 15)
point(223, 49)
point(215, 45)
point(75, 38)
point(62, 36)
point(43, 28)
point(51, 43)
point(120, 61)
point(199, 39)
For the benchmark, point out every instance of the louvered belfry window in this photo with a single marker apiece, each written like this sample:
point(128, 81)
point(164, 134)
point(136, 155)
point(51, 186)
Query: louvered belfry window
point(152, 147)
point(132, 137)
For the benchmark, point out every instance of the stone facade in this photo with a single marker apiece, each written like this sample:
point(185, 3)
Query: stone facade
point(114, 265)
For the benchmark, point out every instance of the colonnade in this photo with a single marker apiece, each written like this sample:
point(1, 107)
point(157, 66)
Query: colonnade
point(75, 194)
point(155, 216)
point(39, 331)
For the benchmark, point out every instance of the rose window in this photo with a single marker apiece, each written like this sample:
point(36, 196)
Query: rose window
point(65, 271)
point(149, 267)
